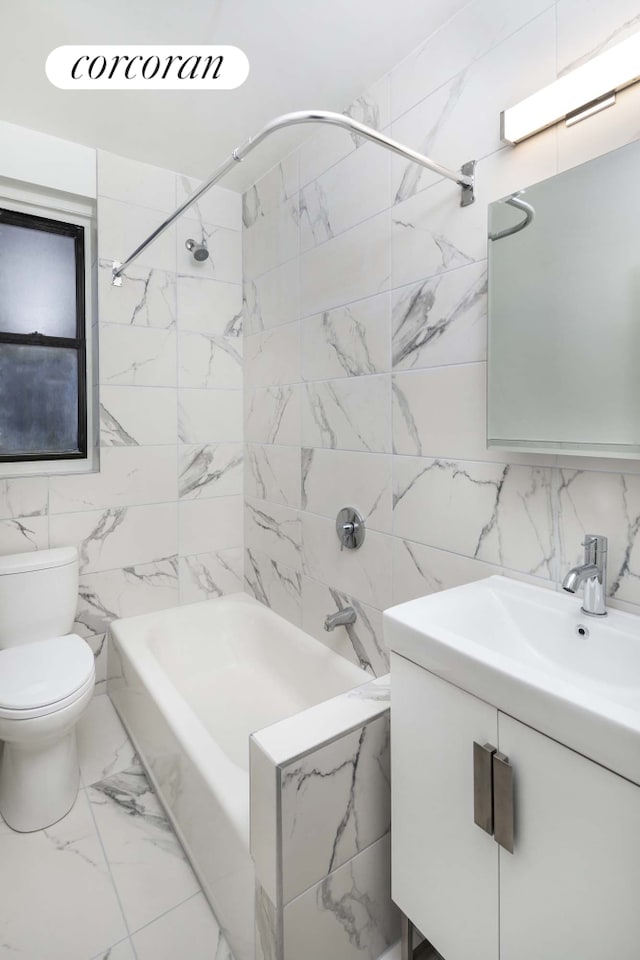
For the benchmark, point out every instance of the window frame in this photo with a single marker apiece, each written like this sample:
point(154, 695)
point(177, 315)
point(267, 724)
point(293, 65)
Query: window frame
point(78, 343)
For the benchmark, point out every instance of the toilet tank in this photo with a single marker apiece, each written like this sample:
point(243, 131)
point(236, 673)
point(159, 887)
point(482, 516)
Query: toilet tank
point(38, 595)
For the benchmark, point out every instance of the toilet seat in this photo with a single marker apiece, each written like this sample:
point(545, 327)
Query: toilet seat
point(45, 676)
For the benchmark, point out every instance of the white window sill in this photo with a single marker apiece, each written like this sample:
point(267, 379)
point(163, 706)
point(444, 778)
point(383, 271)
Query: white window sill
point(49, 468)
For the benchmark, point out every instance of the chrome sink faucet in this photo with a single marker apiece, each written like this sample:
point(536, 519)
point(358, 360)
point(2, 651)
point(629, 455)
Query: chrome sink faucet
point(593, 574)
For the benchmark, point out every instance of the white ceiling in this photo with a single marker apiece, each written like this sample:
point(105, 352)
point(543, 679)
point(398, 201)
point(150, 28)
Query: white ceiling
point(318, 54)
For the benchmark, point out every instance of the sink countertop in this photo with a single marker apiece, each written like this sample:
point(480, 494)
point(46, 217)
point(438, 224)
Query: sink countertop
point(523, 649)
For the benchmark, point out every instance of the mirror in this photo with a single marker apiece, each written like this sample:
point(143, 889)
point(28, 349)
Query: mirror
point(564, 312)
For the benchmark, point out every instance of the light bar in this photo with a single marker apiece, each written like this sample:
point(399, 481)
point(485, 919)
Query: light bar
point(591, 86)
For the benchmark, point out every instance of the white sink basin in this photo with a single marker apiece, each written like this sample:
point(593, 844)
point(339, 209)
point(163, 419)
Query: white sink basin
point(536, 656)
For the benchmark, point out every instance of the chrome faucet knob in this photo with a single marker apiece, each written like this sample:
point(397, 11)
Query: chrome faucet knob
point(350, 528)
point(348, 531)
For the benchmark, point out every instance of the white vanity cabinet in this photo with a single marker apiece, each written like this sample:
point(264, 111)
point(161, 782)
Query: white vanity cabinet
point(571, 888)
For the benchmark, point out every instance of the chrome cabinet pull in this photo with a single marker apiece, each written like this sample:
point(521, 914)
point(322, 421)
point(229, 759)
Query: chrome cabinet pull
point(503, 813)
point(483, 786)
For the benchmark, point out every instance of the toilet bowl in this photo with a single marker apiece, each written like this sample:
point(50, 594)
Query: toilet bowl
point(46, 683)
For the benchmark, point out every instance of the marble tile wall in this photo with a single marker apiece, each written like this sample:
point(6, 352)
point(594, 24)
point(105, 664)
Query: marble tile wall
point(162, 521)
point(365, 340)
point(320, 830)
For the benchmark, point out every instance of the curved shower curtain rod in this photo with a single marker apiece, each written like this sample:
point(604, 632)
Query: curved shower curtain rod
point(463, 177)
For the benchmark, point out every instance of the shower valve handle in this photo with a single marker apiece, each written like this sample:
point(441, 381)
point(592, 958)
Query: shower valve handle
point(348, 531)
point(350, 528)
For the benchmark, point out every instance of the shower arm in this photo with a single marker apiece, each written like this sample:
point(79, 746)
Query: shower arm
point(463, 177)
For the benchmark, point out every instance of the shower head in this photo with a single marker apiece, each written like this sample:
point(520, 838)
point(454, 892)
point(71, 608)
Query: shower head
point(199, 251)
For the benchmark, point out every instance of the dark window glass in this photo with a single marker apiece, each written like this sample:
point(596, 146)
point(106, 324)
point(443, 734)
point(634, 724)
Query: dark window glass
point(38, 399)
point(42, 339)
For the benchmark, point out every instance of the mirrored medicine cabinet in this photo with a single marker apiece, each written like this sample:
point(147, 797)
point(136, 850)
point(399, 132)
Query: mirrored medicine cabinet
point(564, 312)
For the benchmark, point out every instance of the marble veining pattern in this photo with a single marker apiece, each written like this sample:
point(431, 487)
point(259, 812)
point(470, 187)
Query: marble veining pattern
point(330, 145)
point(413, 175)
point(23, 497)
point(109, 876)
point(209, 470)
point(273, 473)
point(597, 33)
point(159, 519)
point(113, 431)
point(125, 420)
point(378, 690)
point(272, 299)
point(438, 321)
point(361, 642)
point(209, 306)
point(330, 478)
point(275, 530)
point(591, 502)
point(349, 914)
point(350, 341)
point(464, 39)
point(429, 237)
point(335, 802)
point(146, 298)
point(112, 594)
point(20, 536)
point(209, 360)
point(350, 414)
point(268, 927)
point(274, 584)
point(209, 575)
point(272, 415)
point(500, 513)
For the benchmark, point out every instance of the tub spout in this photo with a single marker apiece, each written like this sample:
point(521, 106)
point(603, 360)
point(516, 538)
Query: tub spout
point(340, 618)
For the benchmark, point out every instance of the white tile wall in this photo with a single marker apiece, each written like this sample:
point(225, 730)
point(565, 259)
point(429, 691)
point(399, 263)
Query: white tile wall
point(364, 308)
point(161, 522)
point(373, 272)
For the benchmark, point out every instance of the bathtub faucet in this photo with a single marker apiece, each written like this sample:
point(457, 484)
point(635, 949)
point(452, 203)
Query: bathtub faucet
point(340, 618)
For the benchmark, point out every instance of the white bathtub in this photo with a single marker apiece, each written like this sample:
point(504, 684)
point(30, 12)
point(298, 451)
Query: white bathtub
point(194, 683)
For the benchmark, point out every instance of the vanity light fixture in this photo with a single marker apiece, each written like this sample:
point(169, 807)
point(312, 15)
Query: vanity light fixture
point(581, 93)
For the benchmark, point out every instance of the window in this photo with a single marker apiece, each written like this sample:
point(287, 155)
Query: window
point(43, 393)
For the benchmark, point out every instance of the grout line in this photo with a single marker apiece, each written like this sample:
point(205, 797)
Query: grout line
point(365, 849)
point(108, 863)
point(181, 903)
point(118, 943)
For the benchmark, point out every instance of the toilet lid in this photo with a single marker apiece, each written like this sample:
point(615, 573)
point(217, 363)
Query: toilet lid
point(44, 672)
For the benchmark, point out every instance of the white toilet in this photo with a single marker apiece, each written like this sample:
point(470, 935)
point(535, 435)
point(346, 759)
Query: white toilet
point(46, 682)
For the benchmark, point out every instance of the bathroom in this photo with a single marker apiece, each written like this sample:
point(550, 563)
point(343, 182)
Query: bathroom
point(309, 335)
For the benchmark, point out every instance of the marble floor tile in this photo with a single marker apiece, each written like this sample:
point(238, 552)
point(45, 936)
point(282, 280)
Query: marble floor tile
point(122, 951)
point(57, 897)
point(62, 900)
point(148, 866)
point(103, 745)
point(188, 930)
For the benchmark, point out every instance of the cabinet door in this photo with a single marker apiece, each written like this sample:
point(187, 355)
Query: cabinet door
point(571, 889)
point(444, 867)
